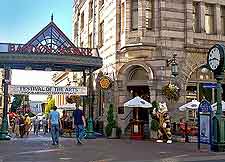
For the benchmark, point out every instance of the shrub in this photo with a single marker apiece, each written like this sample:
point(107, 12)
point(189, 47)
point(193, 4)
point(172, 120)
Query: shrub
point(111, 122)
point(155, 125)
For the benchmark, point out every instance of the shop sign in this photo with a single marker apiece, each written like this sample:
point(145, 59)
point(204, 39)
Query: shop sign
point(209, 85)
point(44, 49)
point(204, 122)
point(46, 90)
point(105, 82)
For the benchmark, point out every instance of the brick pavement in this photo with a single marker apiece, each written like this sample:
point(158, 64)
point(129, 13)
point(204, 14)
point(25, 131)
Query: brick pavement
point(39, 149)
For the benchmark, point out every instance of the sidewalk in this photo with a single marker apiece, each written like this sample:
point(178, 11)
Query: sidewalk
point(39, 149)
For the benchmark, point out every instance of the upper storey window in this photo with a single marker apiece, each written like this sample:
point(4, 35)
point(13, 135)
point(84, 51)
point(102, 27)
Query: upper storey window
point(149, 14)
point(82, 21)
point(134, 15)
point(223, 19)
point(90, 9)
point(209, 19)
point(195, 16)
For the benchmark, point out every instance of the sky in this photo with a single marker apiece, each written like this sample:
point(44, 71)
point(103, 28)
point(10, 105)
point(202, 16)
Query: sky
point(20, 20)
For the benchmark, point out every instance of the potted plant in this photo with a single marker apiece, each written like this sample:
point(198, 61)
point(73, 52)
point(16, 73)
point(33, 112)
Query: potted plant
point(111, 122)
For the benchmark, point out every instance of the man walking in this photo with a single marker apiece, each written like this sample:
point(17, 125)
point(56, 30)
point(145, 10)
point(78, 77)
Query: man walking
point(79, 123)
point(55, 124)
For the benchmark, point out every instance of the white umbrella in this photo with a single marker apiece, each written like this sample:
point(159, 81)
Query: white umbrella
point(138, 102)
point(190, 105)
point(214, 106)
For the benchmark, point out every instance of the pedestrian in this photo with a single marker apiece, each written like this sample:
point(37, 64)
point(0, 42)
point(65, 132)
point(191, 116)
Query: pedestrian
point(17, 126)
point(27, 123)
point(36, 123)
point(55, 123)
point(79, 123)
point(45, 125)
point(22, 126)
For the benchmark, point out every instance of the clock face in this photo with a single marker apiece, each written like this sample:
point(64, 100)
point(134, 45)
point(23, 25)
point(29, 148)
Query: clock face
point(214, 58)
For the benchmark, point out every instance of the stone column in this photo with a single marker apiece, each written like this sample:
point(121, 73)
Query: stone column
point(188, 22)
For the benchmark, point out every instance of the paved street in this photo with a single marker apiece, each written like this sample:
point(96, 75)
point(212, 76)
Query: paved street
point(39, 149)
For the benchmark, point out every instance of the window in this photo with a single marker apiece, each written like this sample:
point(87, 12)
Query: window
point(149, 14)
point(195, 13)
point(75, 29)
point(101, 3)
point(223, 19)
point(101, 34)
point(209, 19)
point(134, 15)
point(122, 17)
point(90, 40)
point(90, 10)
point(82, 21)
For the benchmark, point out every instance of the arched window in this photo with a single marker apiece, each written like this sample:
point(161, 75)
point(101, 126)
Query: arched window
point(138, 73)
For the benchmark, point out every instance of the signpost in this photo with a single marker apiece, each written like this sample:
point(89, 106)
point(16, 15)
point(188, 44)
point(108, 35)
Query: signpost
point(204, 123)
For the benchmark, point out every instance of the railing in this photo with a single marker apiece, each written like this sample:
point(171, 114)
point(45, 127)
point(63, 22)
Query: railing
point(128, 115)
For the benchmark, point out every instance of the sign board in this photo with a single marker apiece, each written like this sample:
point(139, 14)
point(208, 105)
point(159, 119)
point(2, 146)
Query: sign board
point(204, 122)
point(105, 82)
point(209, 85)
point(46, 90)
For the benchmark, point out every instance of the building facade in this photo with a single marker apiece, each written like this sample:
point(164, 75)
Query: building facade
point(135, 38)
point(36, 106)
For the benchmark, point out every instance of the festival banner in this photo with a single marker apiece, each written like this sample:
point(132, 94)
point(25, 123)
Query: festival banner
point(46, 90)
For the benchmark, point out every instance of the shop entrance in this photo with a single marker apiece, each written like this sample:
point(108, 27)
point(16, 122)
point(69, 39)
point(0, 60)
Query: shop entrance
point(141, 115)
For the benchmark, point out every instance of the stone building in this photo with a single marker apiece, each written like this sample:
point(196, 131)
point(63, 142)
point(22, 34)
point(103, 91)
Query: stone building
point(135, 38)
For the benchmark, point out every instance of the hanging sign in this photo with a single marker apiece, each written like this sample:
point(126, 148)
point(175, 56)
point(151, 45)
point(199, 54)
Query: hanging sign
point(46, 90)
point(105, 82)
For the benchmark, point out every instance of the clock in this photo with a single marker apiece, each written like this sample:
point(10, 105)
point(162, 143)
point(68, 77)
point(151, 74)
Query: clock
point(215, 57)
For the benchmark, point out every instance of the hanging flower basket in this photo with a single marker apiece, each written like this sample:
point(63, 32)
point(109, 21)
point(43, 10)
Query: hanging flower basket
point(73, 99)
point(171, 92)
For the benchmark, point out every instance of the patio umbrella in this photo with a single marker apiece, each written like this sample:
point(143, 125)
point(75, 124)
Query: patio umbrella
point(190, 105)
point(138, 102)
point(214, 106)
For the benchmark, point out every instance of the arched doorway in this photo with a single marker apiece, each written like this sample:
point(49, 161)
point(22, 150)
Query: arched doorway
point(137, 83)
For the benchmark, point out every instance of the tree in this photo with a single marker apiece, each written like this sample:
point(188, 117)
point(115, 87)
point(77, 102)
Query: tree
point(17, 101)
point(50, 105)
point(111, 121)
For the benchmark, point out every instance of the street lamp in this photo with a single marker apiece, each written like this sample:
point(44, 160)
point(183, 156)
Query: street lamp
point(174, 65)
point(4, 134)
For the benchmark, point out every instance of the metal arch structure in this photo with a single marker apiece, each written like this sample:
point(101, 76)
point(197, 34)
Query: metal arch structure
point(50, 48)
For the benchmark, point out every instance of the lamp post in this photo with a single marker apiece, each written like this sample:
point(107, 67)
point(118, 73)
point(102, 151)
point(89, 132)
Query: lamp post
point(4, 134)
point(90, 130)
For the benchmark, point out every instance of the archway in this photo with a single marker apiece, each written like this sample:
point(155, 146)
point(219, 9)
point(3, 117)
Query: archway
point(49, 50)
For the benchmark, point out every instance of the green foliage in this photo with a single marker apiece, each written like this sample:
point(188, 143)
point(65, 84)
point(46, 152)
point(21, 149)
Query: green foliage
point(111, 121)
point(51, 103)
point(17, 102)
point(171, 92)
point(155, 125)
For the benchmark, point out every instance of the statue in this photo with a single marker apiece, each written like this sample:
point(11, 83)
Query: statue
point(162, 116)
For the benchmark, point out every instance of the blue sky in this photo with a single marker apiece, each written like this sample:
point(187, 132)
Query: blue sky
point(20, 20)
